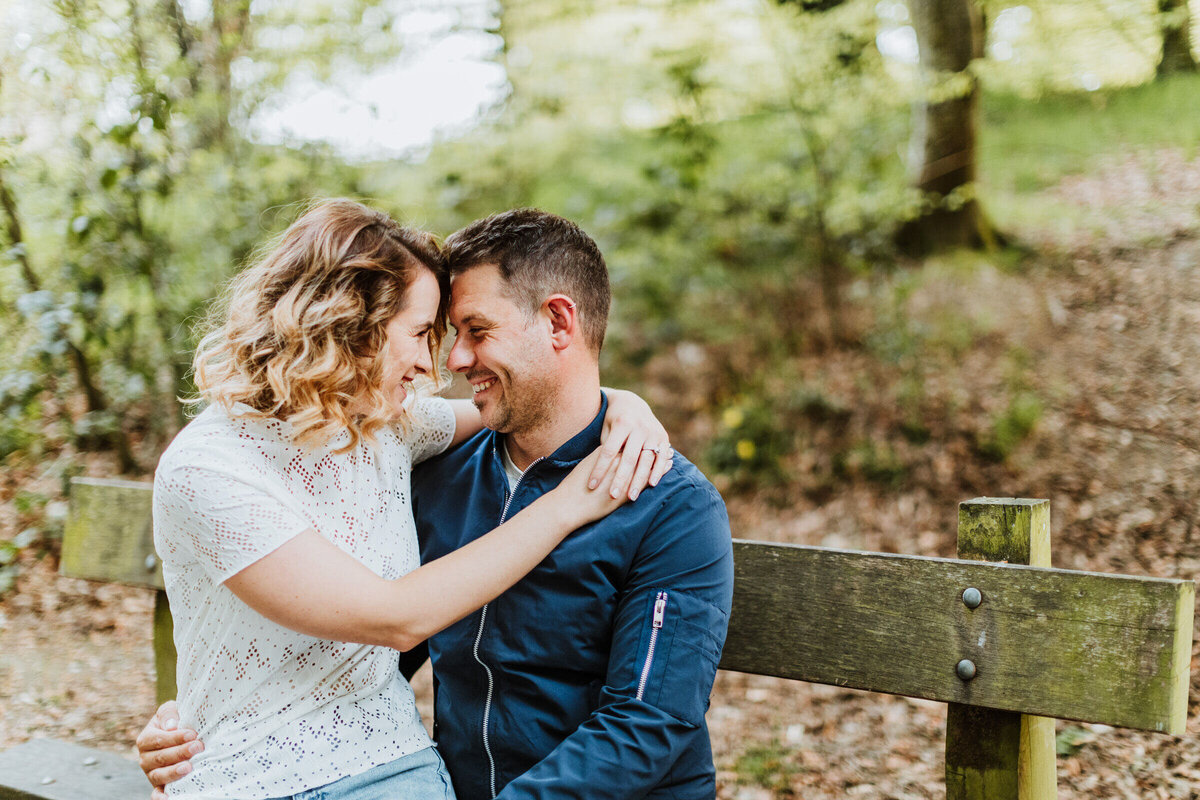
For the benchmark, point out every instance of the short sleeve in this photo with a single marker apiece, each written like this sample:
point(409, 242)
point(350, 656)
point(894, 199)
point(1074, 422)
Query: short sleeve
point(225, 522)
point(432, 427)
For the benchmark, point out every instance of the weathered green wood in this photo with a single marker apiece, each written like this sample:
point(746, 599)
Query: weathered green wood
point(43, 769)
point(1181, 667)
point(108, 535)
point(982, 753)
point(1007, 529)
point(165, 657)
point(993, 754)
point(1057, 643)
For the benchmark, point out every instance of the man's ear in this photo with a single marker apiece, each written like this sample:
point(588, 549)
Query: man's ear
point(563, 317)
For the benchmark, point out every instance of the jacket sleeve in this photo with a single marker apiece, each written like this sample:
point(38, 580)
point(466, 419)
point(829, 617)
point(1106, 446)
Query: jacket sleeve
point(662, 662)
point(413, 660)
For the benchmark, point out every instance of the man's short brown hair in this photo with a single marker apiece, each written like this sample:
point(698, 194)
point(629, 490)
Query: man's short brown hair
point(539, 254)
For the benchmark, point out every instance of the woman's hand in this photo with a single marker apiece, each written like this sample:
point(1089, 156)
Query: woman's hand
point(632, 433)
point(164, 749)
point(579, 500)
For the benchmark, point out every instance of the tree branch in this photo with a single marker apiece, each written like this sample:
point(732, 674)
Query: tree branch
point(12, 224)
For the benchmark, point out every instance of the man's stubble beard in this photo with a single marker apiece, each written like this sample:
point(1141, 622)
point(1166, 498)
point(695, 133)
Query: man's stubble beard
point(527, 394)
point(524, 405)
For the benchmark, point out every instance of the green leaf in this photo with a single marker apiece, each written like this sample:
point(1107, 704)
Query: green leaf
point(1071, 739)
point(8, 579)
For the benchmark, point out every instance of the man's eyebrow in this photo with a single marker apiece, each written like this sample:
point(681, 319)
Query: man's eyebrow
point(472, 316)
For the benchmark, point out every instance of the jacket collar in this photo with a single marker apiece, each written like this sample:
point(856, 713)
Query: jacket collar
point(574, 449)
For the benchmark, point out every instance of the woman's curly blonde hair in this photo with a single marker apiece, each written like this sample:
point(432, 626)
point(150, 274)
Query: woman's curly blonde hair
point(300, 334)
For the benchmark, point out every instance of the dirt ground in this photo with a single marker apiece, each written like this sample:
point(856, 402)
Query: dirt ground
point(1104, 330)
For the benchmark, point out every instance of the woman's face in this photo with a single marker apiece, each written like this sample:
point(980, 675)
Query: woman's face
point(408, 337)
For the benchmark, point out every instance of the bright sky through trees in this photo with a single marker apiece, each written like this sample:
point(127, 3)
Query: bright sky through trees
point(448, 76)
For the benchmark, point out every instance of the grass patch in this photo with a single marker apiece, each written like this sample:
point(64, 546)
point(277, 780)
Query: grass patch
point(1028, 145)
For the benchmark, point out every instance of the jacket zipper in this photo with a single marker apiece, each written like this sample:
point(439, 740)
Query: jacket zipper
point(487, 705)
point(656, 623)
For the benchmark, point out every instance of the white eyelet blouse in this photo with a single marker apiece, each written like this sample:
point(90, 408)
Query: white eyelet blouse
point(278, 711)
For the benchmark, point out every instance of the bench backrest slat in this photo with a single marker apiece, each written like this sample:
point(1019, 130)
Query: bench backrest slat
point(1056, 643)
point(1073, 645)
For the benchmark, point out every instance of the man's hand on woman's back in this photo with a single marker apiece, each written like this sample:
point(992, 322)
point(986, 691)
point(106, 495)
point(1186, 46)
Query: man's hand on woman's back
point(164, 749)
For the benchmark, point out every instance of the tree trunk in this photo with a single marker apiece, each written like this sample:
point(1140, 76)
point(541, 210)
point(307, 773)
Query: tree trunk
point(945, 120)
point(1175, 20)
point(185, 40)
point(230, 21)
point(16, 238)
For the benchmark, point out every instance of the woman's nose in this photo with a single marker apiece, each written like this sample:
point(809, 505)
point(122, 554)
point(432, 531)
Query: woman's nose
point(424, 363)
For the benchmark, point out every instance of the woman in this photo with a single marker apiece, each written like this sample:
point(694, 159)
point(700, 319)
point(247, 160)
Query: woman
point(284, 523)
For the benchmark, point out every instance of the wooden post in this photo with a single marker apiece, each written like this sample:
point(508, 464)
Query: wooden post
point(1000, 755)
point(109, 537)
point(164, 649)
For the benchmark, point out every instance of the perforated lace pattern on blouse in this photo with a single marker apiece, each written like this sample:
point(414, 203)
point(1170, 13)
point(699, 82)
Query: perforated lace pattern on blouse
point(281, 712)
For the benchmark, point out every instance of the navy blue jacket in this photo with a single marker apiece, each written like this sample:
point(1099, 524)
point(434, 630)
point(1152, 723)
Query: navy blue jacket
point(591, 676)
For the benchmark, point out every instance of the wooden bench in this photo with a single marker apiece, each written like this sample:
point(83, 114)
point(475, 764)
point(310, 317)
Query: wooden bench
point(1007, 642)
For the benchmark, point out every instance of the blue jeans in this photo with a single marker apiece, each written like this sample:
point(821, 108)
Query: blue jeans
point(419, 776)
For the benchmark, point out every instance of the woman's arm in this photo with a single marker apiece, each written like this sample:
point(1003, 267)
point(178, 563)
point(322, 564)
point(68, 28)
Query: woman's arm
point(467, 420)
point(631, 433)
point(310, 585)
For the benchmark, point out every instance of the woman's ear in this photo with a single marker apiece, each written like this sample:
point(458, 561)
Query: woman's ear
point(564, 320)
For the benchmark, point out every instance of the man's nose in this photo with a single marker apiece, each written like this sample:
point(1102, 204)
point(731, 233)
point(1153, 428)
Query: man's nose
point(460, 356)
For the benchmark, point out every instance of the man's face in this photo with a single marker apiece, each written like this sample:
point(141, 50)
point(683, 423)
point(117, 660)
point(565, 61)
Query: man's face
point(504, 353)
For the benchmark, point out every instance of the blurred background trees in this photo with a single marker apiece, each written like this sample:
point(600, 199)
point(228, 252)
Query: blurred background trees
point(1176, 23)
point(755, 172)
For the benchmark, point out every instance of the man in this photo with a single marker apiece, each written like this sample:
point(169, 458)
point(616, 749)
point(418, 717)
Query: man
point(591, 676)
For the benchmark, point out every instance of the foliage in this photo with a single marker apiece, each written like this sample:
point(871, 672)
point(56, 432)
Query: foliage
point(876, 461)
point(723, 169)
point(1011, 426)
point(40, 522)
point(1071, 739)
point(769, 766)
point(123, 223)
point(9, 550)
point(749, 445)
